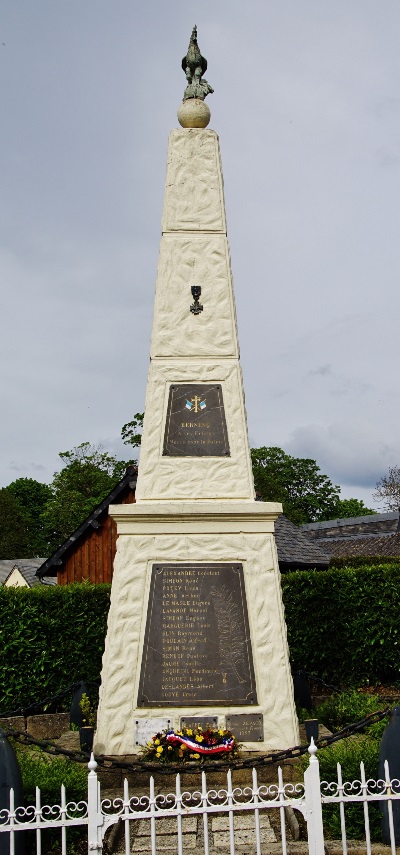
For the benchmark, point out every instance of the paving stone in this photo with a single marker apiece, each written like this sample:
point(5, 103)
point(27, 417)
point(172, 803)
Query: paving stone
point(243, 838)
point(17, 722)
point(244, 830)
point(221, 823)
point(69, 740)
point(47, 726)
point(167, 826)
point(164, 842)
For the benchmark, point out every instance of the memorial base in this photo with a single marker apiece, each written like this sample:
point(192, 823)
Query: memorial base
point(196, 629)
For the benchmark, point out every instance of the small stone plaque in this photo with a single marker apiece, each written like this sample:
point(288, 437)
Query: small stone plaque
point(246, 728)
point(200, 721)
point(195, 424)
point(197, 648)
point(146, 728)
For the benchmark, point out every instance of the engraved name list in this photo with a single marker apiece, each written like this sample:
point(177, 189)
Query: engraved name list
point(197, 645)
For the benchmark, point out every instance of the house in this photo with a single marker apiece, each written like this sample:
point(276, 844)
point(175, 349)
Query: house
point(88, 554)
point(296, 549)
point(372, 536)
point(21, 573)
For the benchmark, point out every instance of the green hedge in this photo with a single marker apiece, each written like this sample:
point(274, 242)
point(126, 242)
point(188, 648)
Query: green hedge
point(364, 561)
point(50, 638)
point(343, 625)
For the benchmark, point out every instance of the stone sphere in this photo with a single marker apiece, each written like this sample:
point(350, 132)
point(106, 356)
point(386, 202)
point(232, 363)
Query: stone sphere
point(194, 113)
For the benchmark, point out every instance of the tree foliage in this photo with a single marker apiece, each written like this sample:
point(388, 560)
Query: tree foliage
point(89, 474)
point(22, 531)
point(32, 497)
point(14, 527)
point(388, 489)
point(306, 494)
point(131, 433)
point(36, 518)
point(352, 508)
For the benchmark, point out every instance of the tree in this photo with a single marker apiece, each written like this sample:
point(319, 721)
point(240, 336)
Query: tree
point(388, 489)
point(89, 474)
point(14, 527)
point(32, 497)
point(22, 532)
point(352, 508)
point(131, 433)
point(306, 494)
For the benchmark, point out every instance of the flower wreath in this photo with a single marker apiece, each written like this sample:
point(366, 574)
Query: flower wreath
point(196, 744)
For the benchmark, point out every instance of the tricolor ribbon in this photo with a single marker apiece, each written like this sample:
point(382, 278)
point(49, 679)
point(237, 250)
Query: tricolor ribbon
point(198, 747)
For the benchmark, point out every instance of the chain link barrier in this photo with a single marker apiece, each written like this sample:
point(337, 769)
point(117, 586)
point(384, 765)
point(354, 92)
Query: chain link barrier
point(317, 681)
point(106, 762)
point(46, 702)
point(49, 701)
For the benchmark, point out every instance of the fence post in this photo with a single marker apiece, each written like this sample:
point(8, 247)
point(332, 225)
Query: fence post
point(312, 786)
point(94, 809)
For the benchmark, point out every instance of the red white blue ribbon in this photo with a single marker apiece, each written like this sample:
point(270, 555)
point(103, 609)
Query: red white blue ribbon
point(226, 745)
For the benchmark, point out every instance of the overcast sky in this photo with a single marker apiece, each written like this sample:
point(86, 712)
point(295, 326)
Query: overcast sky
point(307, 108)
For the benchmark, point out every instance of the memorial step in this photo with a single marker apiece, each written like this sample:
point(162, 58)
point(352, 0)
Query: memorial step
point(193, 834)
point(244, 831)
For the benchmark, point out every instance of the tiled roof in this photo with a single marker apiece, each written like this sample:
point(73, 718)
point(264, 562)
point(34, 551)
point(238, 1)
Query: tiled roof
point(369, 547)
point(27, 567)
point(296, 548)
point(371, 524)
point(372, 536)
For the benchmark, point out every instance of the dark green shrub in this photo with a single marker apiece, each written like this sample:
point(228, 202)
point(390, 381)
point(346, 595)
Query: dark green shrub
point(364, 561)
point(347, 707)
point(344, 624)
point(51, 637)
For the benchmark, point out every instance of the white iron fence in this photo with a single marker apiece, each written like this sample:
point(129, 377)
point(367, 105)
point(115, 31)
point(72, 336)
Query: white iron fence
point(206, 819)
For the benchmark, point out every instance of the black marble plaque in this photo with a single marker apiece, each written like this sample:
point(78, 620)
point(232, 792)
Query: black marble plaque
point(202, 721)
point(197, 647)
point(195, 424)
point(246, 728)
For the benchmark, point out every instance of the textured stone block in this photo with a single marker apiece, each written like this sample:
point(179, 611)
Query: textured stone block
point(17, 722)
point(193, 189)
point(47, 726)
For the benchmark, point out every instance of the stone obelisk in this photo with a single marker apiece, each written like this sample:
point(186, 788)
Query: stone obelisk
point(196, 628)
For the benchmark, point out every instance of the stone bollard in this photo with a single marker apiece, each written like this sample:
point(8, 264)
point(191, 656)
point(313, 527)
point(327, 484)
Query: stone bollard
point(10, 778)
point(75, 713)
point(390, 750)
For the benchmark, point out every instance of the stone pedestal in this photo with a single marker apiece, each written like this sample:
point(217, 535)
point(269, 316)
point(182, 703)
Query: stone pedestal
point(205, 533)
point(196, 626)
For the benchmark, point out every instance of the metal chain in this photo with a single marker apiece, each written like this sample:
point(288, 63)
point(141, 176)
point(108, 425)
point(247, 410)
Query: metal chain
point(46, 701)
point(318, 681)
point(270, 759)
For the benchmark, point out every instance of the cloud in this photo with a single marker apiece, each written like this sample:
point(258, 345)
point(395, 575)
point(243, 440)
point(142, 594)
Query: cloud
point(323, 370)
point(387, 158)
point(350, 454)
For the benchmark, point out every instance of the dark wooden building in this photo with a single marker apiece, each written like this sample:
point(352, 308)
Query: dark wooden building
point(89, 553)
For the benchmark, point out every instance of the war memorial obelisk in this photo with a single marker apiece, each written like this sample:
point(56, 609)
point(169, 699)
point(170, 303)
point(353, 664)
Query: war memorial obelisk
point(196, 627)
